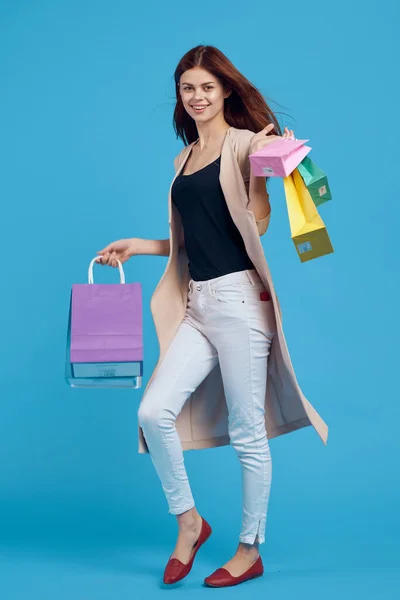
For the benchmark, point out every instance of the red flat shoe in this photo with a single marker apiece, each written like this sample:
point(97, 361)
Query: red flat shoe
point(177, 570)
point(222, 577)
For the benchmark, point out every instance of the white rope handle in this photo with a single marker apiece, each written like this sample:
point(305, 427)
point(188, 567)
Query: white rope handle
point(90, 273)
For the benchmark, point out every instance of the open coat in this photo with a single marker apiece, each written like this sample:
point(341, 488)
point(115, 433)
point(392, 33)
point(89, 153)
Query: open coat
point(203, 421)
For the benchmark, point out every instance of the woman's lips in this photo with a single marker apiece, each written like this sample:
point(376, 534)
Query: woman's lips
point(199, 108)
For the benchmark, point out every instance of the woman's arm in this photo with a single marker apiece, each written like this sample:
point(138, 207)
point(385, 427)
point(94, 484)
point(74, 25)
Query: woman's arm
point(149, 247)
point(258, 195)
point(259, 198)
point(153, 247)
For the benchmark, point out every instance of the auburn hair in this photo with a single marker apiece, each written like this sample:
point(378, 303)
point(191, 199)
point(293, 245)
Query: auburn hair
point(245, 108)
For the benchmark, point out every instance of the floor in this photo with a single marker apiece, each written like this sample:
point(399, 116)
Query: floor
point(51, 573)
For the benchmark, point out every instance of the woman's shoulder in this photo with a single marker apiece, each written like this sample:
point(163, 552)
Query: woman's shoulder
point(242, 135)
point(178, 158)
point(241, 139)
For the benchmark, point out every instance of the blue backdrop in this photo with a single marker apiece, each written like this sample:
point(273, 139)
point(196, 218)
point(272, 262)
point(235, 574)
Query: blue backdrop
point(86, 151)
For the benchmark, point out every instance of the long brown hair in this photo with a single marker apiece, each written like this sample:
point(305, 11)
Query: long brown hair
point(245, 108)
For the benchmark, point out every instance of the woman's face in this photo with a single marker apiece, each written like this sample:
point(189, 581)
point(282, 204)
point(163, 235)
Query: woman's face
point(202, 94)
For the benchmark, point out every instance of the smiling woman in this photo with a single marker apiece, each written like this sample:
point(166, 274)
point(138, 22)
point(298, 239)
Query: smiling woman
point(224, 374)
point(211, 96)
point(243, 105)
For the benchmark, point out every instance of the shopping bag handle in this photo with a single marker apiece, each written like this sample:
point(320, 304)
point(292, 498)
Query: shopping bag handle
point(121, 270)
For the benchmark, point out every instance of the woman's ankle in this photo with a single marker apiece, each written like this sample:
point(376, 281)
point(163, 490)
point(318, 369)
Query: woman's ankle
point(189, 519)
point(248, 548)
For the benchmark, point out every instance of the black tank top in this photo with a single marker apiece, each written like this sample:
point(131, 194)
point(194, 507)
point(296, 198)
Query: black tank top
point(213, 242)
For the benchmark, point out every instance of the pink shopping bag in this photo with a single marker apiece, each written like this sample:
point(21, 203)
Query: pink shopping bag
point(278, 159)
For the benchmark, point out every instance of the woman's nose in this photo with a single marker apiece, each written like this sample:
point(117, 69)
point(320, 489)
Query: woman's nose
point(198, 95)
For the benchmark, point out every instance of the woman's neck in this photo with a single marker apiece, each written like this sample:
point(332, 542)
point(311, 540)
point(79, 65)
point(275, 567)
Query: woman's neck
point(211, 132)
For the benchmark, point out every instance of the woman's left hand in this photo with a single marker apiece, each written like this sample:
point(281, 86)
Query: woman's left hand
point(262, 138)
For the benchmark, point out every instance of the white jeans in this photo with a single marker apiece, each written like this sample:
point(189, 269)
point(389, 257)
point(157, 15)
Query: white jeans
point(225, 322)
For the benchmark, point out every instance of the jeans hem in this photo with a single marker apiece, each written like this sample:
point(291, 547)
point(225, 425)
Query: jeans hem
point(250, 539)
point(178, 511)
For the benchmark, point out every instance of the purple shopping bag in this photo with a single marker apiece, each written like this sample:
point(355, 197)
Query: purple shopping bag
point(105, 334)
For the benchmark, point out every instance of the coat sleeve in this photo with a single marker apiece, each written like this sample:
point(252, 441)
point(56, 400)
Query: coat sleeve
point(242, 152)
point(262, 224)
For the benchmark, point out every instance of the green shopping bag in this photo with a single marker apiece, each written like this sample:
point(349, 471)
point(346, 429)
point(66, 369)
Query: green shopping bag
point(316, 181)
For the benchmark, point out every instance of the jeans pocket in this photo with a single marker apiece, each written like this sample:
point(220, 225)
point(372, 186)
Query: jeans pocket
point(229, 294)
point(254, 289)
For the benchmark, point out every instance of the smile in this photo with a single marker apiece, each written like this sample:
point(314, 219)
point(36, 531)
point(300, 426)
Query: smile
point(199, 107)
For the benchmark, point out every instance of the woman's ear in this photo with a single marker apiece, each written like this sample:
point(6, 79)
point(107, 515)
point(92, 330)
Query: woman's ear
point(227, 93)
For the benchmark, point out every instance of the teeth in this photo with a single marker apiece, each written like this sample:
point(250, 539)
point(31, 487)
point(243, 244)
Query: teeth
point(198, 107)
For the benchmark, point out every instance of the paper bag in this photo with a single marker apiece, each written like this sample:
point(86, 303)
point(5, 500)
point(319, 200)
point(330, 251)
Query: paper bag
point(105, 334)
point(279, 158)
point(316, 181)
point(308, 231)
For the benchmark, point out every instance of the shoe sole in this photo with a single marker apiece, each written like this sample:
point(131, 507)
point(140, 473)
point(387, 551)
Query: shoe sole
point(232, 584)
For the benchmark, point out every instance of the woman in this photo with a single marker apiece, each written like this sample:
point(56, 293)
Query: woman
point(224, 373)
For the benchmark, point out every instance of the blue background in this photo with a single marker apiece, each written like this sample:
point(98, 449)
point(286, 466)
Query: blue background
point(86, 157)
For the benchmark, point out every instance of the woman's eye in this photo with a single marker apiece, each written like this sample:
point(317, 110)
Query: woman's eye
point(206, 87)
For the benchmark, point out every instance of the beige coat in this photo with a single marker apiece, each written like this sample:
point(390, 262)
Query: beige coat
point(203, 422)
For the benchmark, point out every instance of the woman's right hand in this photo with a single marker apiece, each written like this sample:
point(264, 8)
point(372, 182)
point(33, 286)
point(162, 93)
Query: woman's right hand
point(121, 250)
